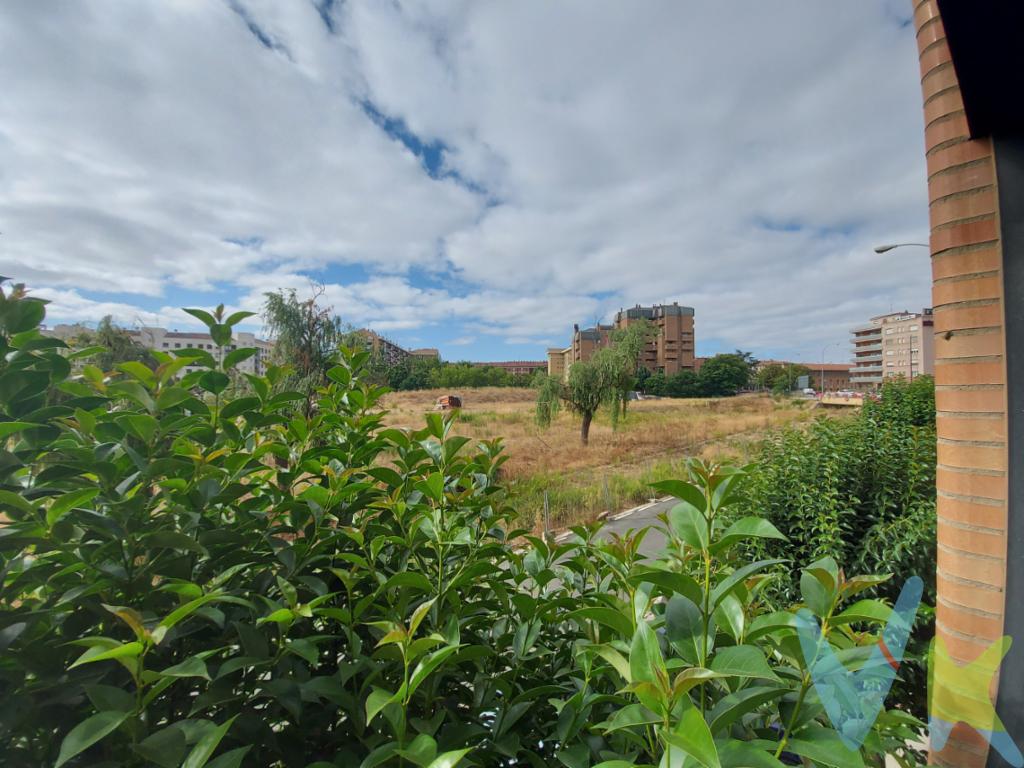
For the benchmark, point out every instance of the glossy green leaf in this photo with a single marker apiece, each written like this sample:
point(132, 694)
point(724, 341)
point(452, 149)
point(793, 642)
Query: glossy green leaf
point(99, 653)
point(824, 747)
point(684, 491)
point(744, 529)
point(207, 745)
point(739, 754)
point(871, 611)
point(646, 663)
point(64, 504)
point(684, 627)
point(191, 667)
point(608, 617)
point(87, 733)
point(742, 661)
point(815, 595)
point(733, 580)
point(376, 701)
point(731, 707)
point(692, 735)
point(449, 759)
point(688, 524)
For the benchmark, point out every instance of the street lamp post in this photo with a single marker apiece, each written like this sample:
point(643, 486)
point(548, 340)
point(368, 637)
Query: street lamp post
point(890, 246)
point(823, 351)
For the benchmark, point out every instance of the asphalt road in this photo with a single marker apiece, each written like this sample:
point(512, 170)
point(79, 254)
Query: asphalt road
point(654, 542)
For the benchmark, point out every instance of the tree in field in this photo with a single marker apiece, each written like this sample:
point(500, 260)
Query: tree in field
point(780, 377)
point(306, 338)
point(621, 361)
point(724, 375)
point(684, 383)
point(587, 388)
point(117, 343)
point(656, 384)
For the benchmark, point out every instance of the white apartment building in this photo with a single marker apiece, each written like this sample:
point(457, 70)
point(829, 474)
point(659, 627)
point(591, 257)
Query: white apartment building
point(896, 344)
point(163, 340)
point(167, 341)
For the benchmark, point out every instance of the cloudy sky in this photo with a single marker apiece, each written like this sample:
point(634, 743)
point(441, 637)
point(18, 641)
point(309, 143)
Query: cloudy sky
point(475, 175)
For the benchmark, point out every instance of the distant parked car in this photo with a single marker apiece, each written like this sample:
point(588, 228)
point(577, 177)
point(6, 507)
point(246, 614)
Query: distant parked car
point(809, 392)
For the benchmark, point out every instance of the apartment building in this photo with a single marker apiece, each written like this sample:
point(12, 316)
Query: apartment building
point(391, 352)
point(892, 345)
point(829, 377)
point(558, 361)
point(517, 367)
point(670, 351)
point(163, 340)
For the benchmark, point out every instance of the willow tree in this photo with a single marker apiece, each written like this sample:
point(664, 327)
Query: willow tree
point(306, 337)
point(118, 345)
point(585, 390)
point(621, 361)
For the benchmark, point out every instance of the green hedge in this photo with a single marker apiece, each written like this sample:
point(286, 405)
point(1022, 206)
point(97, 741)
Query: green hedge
point(191, 575)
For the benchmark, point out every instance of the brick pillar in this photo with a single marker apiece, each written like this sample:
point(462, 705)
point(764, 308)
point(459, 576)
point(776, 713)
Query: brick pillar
point(970, 370)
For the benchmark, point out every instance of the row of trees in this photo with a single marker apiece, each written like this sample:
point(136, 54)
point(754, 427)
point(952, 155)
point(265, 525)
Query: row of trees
point(426, 373)
point(780, 378)
point(307, 335)
point(720, 376)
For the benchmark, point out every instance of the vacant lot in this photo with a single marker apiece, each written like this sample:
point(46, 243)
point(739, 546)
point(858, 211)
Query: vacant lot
point(615, 470)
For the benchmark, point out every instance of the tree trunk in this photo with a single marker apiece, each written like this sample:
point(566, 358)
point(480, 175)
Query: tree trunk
point(585, 427)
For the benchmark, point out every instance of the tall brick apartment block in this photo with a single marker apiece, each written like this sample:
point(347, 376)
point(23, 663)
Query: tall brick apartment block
point(670, 351)
point(972, 80)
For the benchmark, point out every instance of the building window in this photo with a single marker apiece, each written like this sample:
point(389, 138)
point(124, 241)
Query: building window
point(177, 345)
point(165, 345)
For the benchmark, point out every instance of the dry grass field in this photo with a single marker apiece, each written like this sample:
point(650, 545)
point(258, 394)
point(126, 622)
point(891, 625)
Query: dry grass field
point(615, 470)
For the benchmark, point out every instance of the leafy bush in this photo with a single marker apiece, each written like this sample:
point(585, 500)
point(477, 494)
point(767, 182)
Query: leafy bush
point(861, 491)
point(194, 578)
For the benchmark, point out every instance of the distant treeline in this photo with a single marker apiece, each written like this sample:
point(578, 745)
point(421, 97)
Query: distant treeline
point(424, 373)
point(720, 376)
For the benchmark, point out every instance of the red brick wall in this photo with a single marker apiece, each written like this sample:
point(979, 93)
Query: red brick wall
point(970, 370)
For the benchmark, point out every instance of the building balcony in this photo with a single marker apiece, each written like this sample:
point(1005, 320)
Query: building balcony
point(868, 357)
point(866, 368)
point(872, 346)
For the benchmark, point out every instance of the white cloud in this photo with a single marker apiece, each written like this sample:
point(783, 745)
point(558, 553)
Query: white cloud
point(68, 306)
point(740, 158)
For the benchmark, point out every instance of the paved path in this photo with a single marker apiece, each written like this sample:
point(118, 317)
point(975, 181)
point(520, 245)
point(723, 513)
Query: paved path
point(654, 541)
